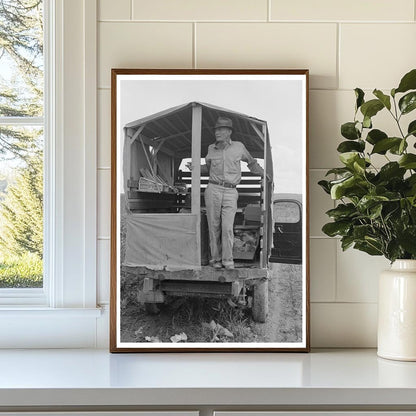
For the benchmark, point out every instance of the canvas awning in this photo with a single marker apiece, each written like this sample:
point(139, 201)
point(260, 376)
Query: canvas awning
point(173, 127)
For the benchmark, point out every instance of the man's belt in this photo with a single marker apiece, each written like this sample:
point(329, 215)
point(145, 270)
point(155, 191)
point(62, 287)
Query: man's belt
point(223, 183)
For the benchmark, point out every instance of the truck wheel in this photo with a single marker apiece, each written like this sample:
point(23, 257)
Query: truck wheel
point(260, 301)
point(151, 308)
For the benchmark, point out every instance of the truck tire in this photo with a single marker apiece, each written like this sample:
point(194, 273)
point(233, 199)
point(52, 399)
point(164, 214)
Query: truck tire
point(260, 301)
point(151, 308)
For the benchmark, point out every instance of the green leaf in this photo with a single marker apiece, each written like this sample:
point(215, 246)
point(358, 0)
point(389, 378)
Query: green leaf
point(338, 189)
point(393, 250)
point(385, 99)
point(361, 231)
point(359, 94)
point(346, 242)
point(411, 130)
point(338, 171)
point(349, 146)
point(408, 82)
point(407, 240)
point(391, 170)
point(399, 148)
point(368, 248)
point(325, 186)
point(375, 136)
point(371, 108)
point(402, 147)
point(408, 161)
point(359, 165)
point(367, 122)
point(349, 158)
point(411, 184)
point(408, 102)
point(375, 212)
point(369, 201)
point(342, 211)
point(383, 145)
point(347, 187)
point(349, 131)
point(336, 228)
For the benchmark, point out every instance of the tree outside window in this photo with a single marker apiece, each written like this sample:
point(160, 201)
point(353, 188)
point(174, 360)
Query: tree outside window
point(21, 143)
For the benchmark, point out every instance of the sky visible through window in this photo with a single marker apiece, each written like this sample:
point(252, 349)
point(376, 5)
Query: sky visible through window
point(21, 143)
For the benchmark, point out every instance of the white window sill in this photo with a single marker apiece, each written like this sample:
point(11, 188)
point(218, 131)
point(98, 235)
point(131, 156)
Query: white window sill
point(41, 327)
point(36, 312)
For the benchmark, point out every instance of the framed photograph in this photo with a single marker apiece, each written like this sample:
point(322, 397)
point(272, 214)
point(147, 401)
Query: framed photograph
point(209, 211)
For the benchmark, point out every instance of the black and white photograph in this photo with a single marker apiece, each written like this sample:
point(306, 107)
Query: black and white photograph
point(209, 212)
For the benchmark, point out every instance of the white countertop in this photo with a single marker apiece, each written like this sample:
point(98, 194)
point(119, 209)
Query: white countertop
point(96, 377)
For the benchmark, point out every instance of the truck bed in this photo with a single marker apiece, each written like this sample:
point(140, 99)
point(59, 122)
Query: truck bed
point(242, 271)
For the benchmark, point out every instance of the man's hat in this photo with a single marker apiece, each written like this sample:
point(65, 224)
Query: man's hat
point(224, 122)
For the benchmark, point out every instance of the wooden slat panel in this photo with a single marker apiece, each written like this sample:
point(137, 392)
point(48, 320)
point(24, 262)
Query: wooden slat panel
point(206, 273)
point(244, 174)
point(149, 205)
point(196, 287)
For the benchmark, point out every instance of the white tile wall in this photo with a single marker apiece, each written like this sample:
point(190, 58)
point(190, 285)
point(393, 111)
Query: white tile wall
point(104, 129)
point(345, 44)
point(104, 202)
point(271, 45)
point(328, 109)
point(370, 10)
point(114, 10)
point(357, 275)
point(344, 325)
point(103, 270)
point(323, 269)
point(142, 45)
point(387, 52)
point(200, 10)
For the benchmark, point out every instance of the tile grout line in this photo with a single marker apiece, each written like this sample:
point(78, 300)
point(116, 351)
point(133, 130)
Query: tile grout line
point(307, 22)
point(131, 9)
point(269, 10)
point(336, 272)
point(338, 63)
point(344, 303)
point(194, 63)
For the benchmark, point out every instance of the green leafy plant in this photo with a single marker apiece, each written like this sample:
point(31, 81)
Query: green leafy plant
point(376, 210)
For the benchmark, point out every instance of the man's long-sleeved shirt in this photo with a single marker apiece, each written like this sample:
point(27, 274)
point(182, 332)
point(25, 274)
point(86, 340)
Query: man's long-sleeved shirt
point(224, 164)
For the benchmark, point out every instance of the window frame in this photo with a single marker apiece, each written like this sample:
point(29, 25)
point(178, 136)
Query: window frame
point(37, 296)
point(70, 172)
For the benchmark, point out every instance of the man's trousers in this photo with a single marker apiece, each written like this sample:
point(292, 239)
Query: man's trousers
point(221, 204)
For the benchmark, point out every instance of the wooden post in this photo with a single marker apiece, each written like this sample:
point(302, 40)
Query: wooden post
point(264, 207)
point(196, 172)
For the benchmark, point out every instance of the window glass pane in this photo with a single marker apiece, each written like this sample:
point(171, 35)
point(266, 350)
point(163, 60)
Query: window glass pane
point(21, 58)
point(21, 207)
point(286, 212)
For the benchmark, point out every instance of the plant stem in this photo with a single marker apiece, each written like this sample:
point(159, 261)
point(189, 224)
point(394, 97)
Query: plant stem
point(397, 118)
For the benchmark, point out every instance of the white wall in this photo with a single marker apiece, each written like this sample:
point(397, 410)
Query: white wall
point(345, 44)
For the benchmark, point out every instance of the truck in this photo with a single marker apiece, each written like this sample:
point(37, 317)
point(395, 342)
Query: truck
point(166, 232)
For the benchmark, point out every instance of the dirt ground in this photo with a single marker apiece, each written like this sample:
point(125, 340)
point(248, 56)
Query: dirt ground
point(284, 321)
point(219, 320)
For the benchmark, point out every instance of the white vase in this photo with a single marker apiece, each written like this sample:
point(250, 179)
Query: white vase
point(397, 312)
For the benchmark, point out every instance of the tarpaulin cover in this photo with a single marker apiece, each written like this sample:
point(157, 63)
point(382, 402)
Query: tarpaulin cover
point(162, 241)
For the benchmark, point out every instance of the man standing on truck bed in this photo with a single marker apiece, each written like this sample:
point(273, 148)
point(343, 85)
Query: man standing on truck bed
point(223, 164)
